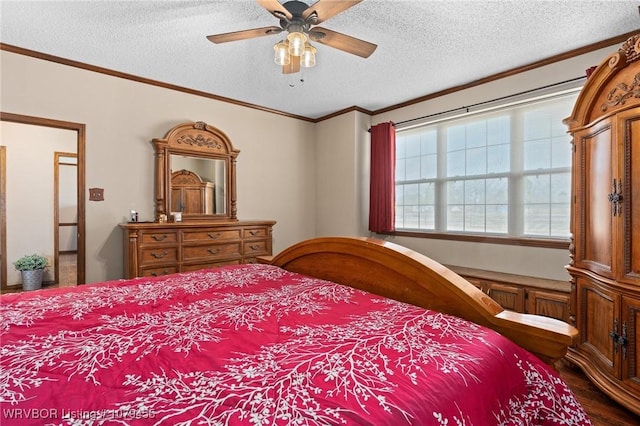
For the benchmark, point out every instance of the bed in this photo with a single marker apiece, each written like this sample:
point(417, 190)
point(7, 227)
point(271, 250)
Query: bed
point(329, 331)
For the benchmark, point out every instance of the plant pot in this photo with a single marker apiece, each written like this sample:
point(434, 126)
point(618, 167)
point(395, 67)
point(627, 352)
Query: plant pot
point(32, 280)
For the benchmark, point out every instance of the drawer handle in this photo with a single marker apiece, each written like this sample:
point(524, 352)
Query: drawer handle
point(214, 251)
point(159, 237)
point(254, 233)
point(213, 236)
point(155, 274)
point(254, 247)
point(160, 255)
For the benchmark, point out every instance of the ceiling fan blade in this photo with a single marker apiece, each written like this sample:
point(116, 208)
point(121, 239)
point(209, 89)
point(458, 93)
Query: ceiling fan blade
point(275, 8)
point(326, 9)
point(245, 34)
point(293, 67)
point(344, 42)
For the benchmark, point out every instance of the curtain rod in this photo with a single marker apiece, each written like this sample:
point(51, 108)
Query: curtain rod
point(502, 98)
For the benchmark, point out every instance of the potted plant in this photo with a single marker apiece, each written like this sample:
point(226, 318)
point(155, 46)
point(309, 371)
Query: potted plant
point(31, 267)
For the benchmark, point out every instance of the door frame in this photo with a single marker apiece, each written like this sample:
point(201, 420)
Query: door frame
point(80, 130)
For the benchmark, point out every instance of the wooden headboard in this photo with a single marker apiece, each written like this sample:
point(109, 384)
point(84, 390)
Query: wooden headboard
point(393, 271)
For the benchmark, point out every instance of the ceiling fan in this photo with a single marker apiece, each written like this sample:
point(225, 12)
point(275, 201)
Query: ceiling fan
point(299, 21)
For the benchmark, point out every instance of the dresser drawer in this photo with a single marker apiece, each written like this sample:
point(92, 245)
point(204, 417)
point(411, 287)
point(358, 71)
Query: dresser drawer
point(156, 272)
point(208, 265)
point(159, 237)
point(211, 251)
point(250, 233)
point(255, 248)
point(211, 235)
point(160, 254)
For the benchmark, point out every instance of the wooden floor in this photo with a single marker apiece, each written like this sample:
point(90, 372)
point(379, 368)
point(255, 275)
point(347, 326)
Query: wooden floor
point(602, 409)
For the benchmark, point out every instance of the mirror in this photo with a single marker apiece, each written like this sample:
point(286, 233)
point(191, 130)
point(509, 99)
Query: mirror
point(195, 173)
point(197, 185)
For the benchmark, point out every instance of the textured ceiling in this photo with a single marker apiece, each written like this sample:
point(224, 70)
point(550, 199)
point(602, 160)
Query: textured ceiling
point(423, 46)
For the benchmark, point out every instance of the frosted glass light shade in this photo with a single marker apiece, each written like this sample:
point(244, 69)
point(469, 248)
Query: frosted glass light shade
point(297, 41)
point(282, 53)
point(308, 58)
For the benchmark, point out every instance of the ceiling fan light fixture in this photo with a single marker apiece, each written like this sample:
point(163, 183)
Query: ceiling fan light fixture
point(297, 41)
point(308, 58)
point(282, 53)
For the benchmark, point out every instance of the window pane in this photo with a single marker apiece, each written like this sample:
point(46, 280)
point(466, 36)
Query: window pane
point(476, 161)
point(411, 194)
point(411, 217)
point(474, 192)
point(456, 163)
point(427, 217)
point(497, 220)
point(537, 154)
point(413, 145)
point(476, 134)
point(400, 169)
point(537, 125)
point(412, 168)
point(399, 195)
point(474, 218)
point(498, 160)
point(429, 142)
point(427, 193)
point(536, 219)
point(497, 191)
point(455, 218)
point(429, 167)
point(455, 192)
point(456, 138)
point(498, 131)
point(561, 152)
point(561, 188)
point(399, 223)
point(560, 220)
point(537, 189)
point(400, 144)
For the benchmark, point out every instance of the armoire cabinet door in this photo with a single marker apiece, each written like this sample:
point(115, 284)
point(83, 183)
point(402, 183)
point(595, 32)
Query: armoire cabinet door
point(629, 250)
point(631, 351)
point(593, 214)
point(598, 313)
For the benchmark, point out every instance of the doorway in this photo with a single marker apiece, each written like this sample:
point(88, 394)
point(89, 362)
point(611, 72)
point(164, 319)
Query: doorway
point(42, 173)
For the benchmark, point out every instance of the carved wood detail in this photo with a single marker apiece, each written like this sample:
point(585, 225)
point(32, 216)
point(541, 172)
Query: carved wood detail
point(622, 92)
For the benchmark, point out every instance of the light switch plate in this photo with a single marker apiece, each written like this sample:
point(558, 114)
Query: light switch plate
point(96, 194)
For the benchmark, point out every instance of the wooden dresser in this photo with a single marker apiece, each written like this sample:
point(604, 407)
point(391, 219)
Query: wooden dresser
point(153, 249)
point(605, 223)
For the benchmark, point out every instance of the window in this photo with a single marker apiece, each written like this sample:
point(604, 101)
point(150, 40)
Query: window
point(503, 173)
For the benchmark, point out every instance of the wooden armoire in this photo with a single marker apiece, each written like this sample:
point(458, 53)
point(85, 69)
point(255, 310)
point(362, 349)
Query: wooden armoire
point(605, 223)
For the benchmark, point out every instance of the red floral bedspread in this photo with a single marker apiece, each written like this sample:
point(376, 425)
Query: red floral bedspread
point(254, 344)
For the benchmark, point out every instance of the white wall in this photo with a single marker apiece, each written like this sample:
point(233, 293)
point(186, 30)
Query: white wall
point(276, 172)
point(342, 158)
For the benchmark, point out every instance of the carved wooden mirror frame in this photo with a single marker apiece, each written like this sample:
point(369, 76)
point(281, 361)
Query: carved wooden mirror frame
point(195, 139)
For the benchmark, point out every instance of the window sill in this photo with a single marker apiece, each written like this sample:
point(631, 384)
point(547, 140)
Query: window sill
point(529, 242)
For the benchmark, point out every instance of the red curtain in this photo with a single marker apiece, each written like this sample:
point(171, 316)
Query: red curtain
point(383, 170)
